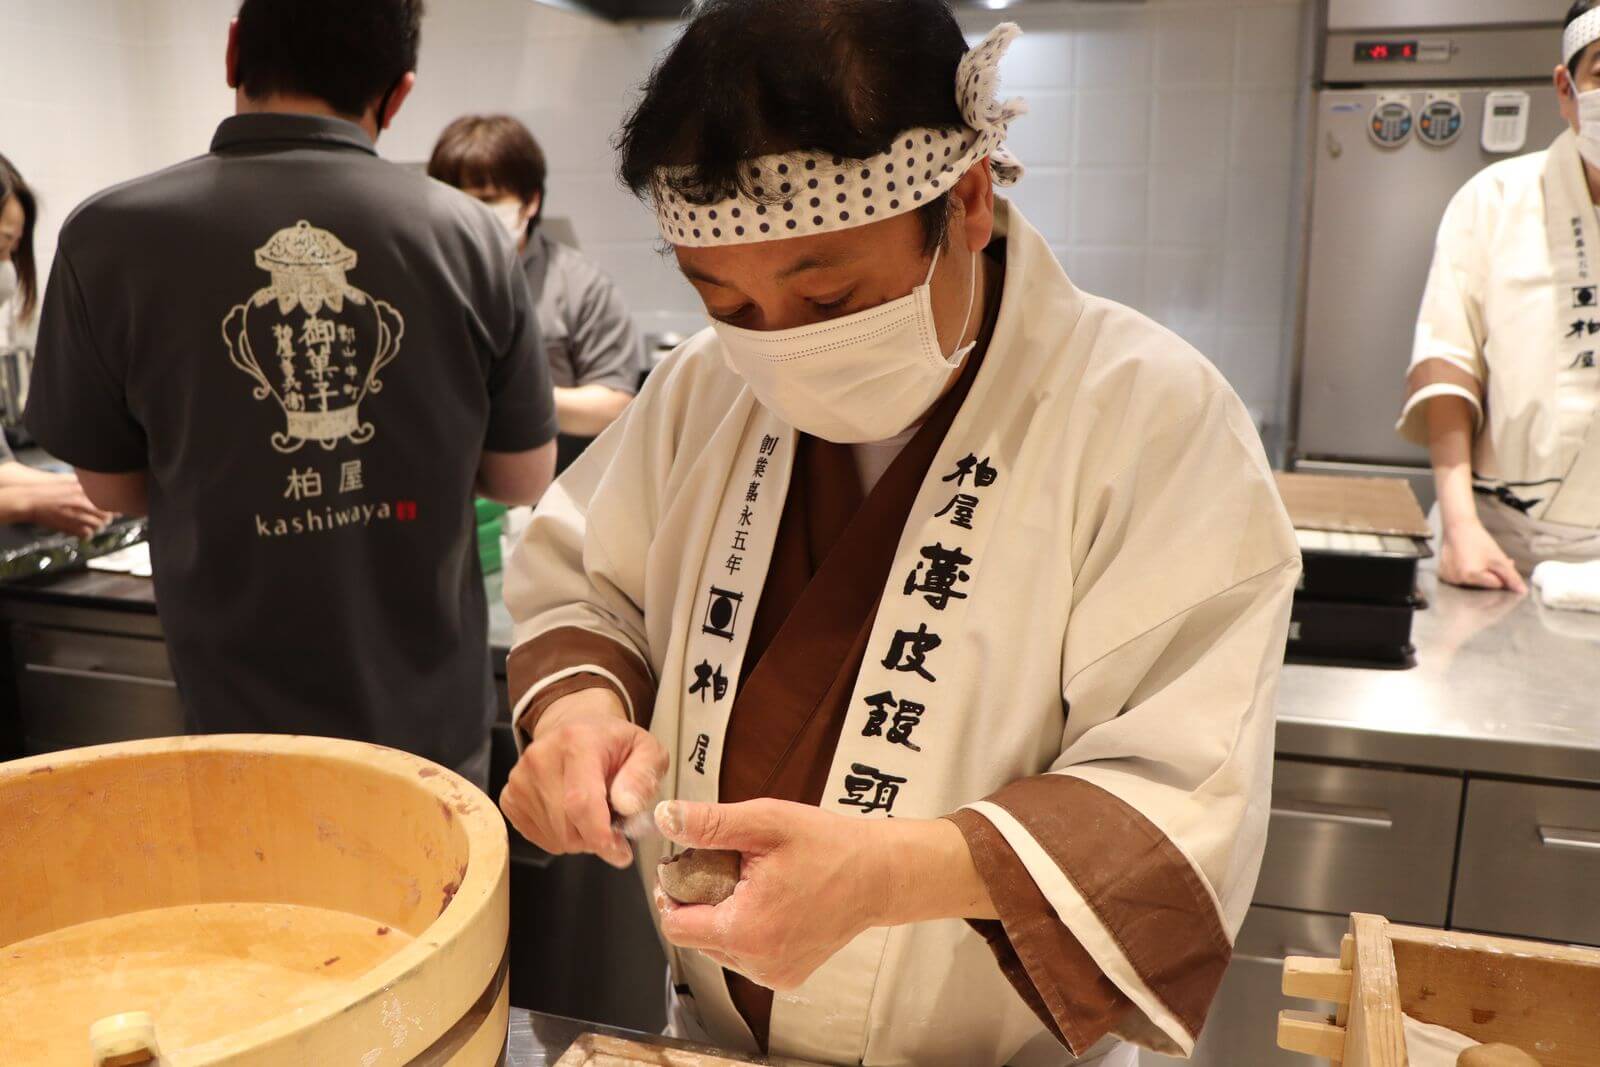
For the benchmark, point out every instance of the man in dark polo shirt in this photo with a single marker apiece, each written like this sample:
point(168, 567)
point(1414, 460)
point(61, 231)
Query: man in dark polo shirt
point(304, 361)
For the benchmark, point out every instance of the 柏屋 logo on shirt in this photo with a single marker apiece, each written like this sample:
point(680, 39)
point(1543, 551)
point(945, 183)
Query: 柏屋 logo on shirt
point(312, 341)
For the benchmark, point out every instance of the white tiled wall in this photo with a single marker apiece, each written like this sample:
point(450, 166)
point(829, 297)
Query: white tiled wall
point(94, 92)
point(1161, 148)
point(1160, 143)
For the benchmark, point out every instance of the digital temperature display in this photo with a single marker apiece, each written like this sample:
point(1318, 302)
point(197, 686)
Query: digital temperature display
point(1386, 51)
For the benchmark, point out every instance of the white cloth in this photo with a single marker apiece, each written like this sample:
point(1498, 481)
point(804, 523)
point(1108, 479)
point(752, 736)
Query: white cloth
point(1092, 442)
point(1512, 301)
point(1568, 586)
point(1580, 33)
point(875, 457)
point(133, 560)
point(798, 194)
point(1428, 1045)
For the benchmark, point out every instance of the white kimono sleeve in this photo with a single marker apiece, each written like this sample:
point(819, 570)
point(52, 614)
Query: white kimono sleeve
point(575, 582)
point(1447, 355)
point(1123, 874)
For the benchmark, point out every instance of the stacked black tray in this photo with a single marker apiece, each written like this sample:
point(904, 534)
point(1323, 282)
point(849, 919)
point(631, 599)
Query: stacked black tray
point(1356, 599)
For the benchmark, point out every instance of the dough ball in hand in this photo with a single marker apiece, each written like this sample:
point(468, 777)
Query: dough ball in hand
point(1495, 1056)
point(699, 875)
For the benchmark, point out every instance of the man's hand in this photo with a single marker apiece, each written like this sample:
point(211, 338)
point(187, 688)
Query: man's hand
point(809, 882)
point(61, 504)
point(586, 760)
point(1471, 557)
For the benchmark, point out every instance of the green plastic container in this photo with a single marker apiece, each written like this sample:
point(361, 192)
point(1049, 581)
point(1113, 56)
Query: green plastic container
point(491, 521)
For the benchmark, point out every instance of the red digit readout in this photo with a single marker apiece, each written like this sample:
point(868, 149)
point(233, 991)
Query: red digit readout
point(1380, 51)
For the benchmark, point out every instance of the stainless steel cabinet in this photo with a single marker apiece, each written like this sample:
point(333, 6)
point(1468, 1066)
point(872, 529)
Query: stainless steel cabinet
point(1345, 839)
point(76, 688)
point(1242, 1028)
point(1530, 862)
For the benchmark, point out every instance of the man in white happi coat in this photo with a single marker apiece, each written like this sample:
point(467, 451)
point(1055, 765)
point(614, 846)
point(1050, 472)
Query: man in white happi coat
point(1504, 382)
point(949, 596)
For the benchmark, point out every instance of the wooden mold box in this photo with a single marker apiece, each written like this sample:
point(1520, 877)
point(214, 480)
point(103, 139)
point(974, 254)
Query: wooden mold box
point(249, 901)
point(1541, 998)
point(600, 1050)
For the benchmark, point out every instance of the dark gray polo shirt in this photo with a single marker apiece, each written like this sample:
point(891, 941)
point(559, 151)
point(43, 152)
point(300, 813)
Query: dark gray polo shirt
point(588, 335)
point(307, 348)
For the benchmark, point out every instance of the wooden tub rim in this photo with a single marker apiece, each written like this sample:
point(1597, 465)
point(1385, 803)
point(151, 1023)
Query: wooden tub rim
point(461, 925)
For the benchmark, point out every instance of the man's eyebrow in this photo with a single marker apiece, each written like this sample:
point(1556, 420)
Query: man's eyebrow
point(697, 275)
point(815, 262)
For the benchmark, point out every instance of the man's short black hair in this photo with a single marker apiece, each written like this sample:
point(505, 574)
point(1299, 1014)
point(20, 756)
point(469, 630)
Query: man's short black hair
point(748, 78)
point(348, 53)
point(1574, 13)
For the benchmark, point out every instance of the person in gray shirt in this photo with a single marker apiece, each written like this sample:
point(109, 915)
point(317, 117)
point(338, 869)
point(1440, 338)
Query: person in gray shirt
point(596, 357)
point(303, 362)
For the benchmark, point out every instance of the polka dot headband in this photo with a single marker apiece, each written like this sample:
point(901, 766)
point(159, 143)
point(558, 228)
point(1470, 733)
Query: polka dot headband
point(1584, 31)
point(796, 194)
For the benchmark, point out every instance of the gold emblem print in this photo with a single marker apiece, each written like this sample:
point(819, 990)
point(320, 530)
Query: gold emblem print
point(312, 341)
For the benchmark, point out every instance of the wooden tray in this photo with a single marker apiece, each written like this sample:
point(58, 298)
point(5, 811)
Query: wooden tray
point(598, 1050)
point(1543, 999)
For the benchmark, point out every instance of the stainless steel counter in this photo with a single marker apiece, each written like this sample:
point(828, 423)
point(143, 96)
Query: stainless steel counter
point(1502, 685)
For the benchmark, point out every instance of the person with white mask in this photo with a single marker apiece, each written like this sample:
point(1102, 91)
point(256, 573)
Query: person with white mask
point(950, 597)
point(596, 357)
point(1504, 382)
point(41, 498)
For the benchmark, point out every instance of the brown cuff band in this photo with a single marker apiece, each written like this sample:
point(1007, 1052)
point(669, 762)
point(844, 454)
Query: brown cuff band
point(561, 650)
point(1140, 885)
point(1050, 970)
point(1441, 372)
point(575, 683)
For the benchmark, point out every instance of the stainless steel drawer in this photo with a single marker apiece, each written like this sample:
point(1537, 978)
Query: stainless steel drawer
point(1530, 862)
point(78, 689)
point(1242, 1029)
point(1346, 839)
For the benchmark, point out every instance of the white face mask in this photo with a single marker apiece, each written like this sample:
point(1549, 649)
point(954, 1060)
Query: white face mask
point(859, 378)
point(1588, 122)
point(8, 281)
point(510, 214)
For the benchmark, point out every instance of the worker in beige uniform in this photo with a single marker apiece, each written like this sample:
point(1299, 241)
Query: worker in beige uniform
point(1504, 382)
point(950, 597)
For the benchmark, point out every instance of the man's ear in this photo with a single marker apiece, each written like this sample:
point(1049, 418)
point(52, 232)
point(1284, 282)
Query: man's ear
point(397, 99)
point(231, 58)
point(974, 195)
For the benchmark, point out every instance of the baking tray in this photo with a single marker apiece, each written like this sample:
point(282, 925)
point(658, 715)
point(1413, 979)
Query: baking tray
point(29, 551)
point(1351, 634)
point(1361, 567)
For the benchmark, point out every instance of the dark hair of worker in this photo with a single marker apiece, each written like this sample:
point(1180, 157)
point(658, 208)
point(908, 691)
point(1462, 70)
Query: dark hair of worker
point(12, 185)
point(491, 152)
point(1575, 12)
point(748, 78)
point(346, 53)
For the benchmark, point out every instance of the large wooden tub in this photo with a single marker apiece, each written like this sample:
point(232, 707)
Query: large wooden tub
point(267, 900)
